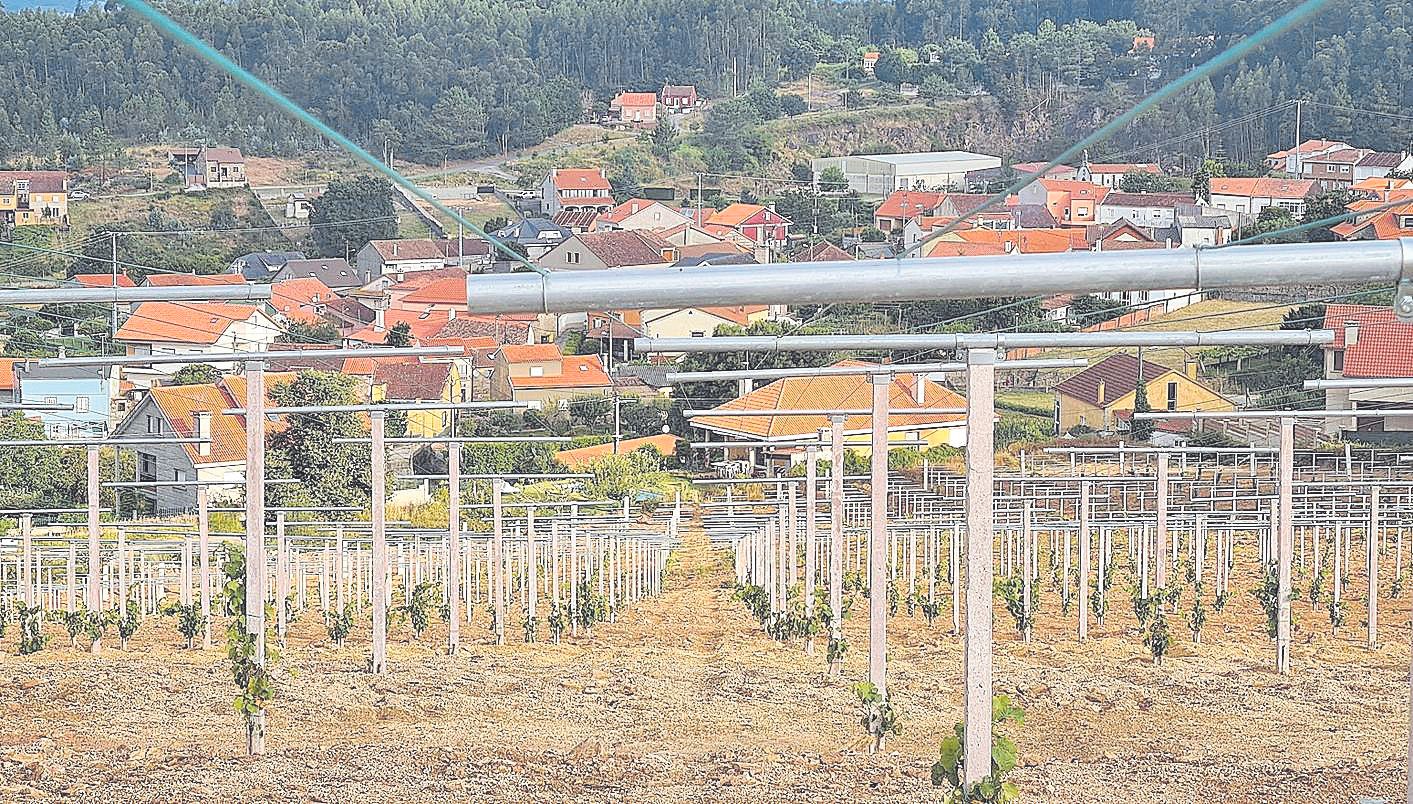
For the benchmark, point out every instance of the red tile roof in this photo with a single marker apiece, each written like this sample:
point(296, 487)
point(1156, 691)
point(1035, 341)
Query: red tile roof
point(1119, 374)
point(399, 250)
point(908, 204)
point(619, 248)
point(501, 329)
point(1261, 187)
point(582, 456)
point(581, 179)
point(294, 298)
point(185, 280)
point(451, 291)
point(1124, 167)
point(634, 99)
point(411, 380)
point(1384, 347)
point(182, 322)
point(102, 280)
point(823, 251)
point(7, 373)
point(531, 353)
point(577, 371)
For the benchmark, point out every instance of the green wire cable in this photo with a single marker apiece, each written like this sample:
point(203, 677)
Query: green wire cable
point(1315, 224)
point(1277, 27)
point(182, 36)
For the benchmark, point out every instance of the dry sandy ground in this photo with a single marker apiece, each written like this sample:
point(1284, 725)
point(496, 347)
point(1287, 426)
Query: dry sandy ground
point(685, 700)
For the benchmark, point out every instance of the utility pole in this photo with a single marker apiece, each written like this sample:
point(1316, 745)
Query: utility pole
point(1297, 137)
point(113, 238)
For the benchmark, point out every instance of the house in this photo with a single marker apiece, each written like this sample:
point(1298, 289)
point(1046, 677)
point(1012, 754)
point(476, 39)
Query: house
point(578, 220)
point(192, 280)
point(7, 379)
point(90, 391)
point(636, 109)
point(1111, 174)
point(1333, 169)
point(297, 207)
point(1200, 225)
point(334, 272)
point(259, 266)
point(156, 328)
point(761, 225)
point(611, 249)
point(869, 61)
point(301, 300)
point(1378, 164)
point(902, 206)
point(1072, 203)
point(541, 373)
point(641, 213)
point(33, 198)
point(219, 168)
point(1061, 171)
point(773, 433)
point(102, 281)
point(1370, 342)
point(1094, 397)
point(575, 188)
point(194, 411)
point(881, 174)
point(678, 98)
point(614, 330)
point(412, 380)
point(580, 457)
point(398, 258)
point(823, 251)
point(420, 325)
point(471, 253)
point(1252, 195)
point(699, 322)
point(1380, 222)
point(535, 235)
point(1144, 209)
point(1291, 160)
point(1382, 189)
point(514, 330)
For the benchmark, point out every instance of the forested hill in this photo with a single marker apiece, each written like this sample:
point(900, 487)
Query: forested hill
point(448, 78)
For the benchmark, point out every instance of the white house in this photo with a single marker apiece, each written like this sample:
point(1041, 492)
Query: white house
point(1157, 210)
point(641, 213)
point(182, 328)
point(1251, 195)
point(398, 258)
point(575, 188)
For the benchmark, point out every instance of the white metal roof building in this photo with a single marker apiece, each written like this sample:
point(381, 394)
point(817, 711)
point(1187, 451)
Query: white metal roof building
point(881, 174)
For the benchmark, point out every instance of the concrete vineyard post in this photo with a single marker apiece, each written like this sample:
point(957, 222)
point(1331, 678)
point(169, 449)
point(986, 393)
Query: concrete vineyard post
point(281, 576)
point(1025, 567)
point(378, 581)
point(497, 561)
point(453, 549)
point(1160, 551)
point(878, 537)
point(836, 535)
point(95, 564)
point(1084, 561)
point(1372, 532)
point(811, 455)
point(203, 539)
point(1284, 542)
point(980, 464)
point(255, 534)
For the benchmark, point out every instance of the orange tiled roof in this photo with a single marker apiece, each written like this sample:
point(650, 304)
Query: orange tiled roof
point(575, 458)
point(908, 204)
point(292, 298)
point(1261, 187)
point(1124, 167)
point(846, 392)
point(733, 214)
point(422, 324)
point(531, 353)
point(182, 322)
point(443, 291)
point(632, 99)
point(184, 280)
point(180, 404)
point(102, 280)
point(577, 371)
point(7, 373)
point(739, 314)
point(581, 179)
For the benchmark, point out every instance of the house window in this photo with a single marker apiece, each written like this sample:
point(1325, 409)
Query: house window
point(537, 371)
point(1344, 168)
point(1339, 360)
point(154, 425)
point(81, 404)
point(571, 257)
point(146, 467)
point(51, 400)
point(1172, 396)
point(179, 476)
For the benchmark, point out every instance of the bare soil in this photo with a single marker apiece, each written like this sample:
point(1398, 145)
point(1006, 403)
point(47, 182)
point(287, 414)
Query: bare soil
point(684, 699)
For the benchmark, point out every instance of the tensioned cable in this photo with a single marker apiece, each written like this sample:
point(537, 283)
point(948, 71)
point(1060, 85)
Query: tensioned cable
point(174, 30)
point(1280, 25)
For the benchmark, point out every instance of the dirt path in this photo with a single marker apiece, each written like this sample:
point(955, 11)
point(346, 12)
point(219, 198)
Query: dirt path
point(684, 699)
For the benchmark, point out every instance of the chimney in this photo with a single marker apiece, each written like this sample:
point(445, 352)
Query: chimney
point(203, 430)
point(1351, 333)
point(394, 249)
point(1189, 367)
point(920, 388)
point(1100, 392)
point(377, 319)
point(635, 206)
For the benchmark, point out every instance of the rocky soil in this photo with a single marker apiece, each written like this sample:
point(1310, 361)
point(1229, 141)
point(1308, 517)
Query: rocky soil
point(684, 699)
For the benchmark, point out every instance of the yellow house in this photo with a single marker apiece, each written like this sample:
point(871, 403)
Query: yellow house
point(775, 434)
point(414, 381)
point(34, 198)
point(1103, 394)
point(541, 373)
